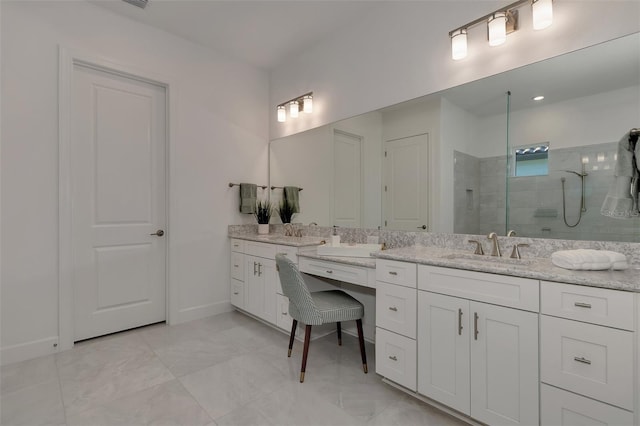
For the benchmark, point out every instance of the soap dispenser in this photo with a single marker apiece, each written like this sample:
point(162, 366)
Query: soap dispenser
point(335, 238)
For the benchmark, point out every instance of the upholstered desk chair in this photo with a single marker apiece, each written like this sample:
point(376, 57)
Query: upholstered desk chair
point(317, 308)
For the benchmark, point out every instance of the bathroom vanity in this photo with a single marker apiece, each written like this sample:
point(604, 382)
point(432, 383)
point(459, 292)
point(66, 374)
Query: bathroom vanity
point(490, 340)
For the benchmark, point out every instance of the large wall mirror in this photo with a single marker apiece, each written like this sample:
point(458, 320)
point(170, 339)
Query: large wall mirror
point(481, 157)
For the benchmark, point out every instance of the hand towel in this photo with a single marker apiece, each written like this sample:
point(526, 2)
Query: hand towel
point(618, 260)
point(621, 201)
point(292, 195)
point(248, 197)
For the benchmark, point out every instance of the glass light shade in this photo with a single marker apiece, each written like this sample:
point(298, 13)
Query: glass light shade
point(459, 45)
point(307, 105)
point(294, 109)
point(282, 114)
point(542, 14)
point(497, 29)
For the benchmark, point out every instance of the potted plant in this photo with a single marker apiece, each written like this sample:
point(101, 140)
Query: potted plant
point(263, 215)
point(285, 211)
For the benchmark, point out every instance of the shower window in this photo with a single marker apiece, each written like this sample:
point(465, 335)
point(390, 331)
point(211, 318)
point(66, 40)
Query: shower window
point(532, 160)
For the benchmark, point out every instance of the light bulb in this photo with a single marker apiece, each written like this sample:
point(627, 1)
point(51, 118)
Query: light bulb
point(459, 44)
point(294, 109)
point(282, 114)
point(497, 28)
point(542, 13)
point(307, 104)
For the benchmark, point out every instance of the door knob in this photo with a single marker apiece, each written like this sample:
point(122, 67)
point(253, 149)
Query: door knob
point(422, 227)
point(158, 233)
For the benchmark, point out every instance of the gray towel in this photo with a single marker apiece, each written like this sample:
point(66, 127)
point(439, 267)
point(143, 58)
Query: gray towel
point(248, 197)
point(291, 194)
point(621, 201)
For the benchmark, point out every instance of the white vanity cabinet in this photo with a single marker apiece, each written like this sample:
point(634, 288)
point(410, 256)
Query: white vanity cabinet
point(396, 322)
point(587, 355)
point(475, 356)
point(255, 284)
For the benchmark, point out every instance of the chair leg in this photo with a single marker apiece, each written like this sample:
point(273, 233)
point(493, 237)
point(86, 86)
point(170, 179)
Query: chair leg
point(339, 329)
point(362, 351)
point(293, 336)
point(307, 340)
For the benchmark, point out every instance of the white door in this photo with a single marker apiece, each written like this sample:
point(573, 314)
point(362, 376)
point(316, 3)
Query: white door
point(406, 183)
point(443, 350)
point(118, 202)
point(504, 365)
point(347, 179)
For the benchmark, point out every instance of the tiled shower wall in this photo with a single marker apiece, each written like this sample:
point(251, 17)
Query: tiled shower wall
point(535, 202)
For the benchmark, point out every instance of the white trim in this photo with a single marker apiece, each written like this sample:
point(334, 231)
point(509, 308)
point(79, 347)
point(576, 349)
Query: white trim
point(67, 58)
point(202, 311)
point(28, 350)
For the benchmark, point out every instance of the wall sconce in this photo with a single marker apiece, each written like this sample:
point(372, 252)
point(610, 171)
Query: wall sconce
point(500, 23)
point(302, 103)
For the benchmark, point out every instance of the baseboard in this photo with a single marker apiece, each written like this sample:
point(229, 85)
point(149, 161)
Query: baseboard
point(28, 350)
point(202, 311)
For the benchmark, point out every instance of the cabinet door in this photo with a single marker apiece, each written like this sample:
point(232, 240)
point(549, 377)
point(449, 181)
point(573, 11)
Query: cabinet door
point(443, 349)
point(261, 287)
point(504, 365)
point(396, 358)
point(283, 320)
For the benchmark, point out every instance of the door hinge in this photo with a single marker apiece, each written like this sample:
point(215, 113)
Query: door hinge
point(385, 223)
point(385, 188)
point(385, 153)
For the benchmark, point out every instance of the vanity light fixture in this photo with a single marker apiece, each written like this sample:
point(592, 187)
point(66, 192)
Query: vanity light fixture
point(542, 14)
point(294, 109)
point(500, 23)
point(497, 27)
point(302, 103)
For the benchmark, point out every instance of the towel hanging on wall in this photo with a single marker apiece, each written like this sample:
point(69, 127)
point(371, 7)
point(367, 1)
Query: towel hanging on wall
point(292, 196)
point(621, 201)
point(248, 197)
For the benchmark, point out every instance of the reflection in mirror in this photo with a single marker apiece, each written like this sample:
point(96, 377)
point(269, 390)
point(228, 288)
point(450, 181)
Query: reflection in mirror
point(462, 161)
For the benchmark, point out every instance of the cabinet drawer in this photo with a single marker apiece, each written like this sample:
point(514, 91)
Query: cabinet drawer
point(289, 251)
point(562, 408)
point(589, 304)
point(513, 292)
point(400, 273)
point(266, 250)
point(396, 358)
point(237, 293)
point(237, 245)
point(588, 359)
point(336, 271)
point(396, 309)
point(237, 266)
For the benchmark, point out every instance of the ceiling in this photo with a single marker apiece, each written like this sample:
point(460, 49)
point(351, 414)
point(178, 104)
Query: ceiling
point(260, 33)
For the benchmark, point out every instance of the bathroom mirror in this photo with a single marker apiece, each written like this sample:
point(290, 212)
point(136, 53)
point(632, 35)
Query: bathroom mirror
point(446, 162)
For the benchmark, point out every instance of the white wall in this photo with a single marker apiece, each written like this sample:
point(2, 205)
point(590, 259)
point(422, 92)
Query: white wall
point(401, 50)
point(221, 136)
point(595, 119)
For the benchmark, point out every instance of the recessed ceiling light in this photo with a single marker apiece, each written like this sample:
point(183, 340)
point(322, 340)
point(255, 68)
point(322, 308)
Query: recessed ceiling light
point(538, 98)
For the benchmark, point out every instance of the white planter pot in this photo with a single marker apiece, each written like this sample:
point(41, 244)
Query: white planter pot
point(263, 228)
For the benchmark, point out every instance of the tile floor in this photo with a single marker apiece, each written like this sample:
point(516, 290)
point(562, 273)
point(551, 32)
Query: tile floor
point(223, 370)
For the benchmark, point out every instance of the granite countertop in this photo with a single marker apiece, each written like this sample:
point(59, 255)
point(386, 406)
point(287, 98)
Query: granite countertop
point(536, 268)
point(280, 239)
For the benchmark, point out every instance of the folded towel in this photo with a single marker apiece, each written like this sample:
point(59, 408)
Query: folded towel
point(248, 197)
point(587, 259)
point(291, 194)
point(621, 201)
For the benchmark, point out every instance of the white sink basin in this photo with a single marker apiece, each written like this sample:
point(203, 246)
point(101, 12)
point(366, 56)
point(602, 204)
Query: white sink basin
point(349, 250)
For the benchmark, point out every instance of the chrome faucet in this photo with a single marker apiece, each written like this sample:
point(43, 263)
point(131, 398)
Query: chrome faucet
point(495, 248)
point(288, 230)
